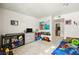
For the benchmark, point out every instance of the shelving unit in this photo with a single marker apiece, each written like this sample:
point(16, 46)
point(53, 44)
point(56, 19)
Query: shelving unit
point(45, 26)
point(12, 40)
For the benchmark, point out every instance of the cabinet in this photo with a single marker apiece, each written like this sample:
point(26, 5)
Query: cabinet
point(29, 37)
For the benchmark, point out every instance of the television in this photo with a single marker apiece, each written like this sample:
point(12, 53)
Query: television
point(29, 30)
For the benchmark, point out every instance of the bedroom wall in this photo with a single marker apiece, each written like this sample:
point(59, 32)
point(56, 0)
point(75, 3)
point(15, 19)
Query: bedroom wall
point(71, 30)
point(24, 22)
point(0, 21)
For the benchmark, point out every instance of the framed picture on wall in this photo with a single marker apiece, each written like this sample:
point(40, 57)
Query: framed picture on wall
point(14, 22)
point(68, 22)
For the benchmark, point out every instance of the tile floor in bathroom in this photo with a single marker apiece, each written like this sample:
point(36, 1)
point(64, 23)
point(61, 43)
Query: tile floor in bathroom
point(37, 48)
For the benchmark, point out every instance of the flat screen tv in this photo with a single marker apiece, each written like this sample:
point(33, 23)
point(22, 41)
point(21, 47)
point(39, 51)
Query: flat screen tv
point(29, 30)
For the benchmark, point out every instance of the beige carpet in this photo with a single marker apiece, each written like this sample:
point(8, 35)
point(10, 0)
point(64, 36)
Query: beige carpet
point(36, 48)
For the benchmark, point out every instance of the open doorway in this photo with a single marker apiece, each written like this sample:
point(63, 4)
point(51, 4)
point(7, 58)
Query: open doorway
point(59, 28)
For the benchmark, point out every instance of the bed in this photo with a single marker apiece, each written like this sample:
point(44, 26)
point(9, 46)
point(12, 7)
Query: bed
point(69, 46)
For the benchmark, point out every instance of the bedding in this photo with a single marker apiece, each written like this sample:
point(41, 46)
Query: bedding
point(67, 47)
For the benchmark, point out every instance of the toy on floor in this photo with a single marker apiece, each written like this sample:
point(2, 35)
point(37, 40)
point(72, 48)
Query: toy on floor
point(1, 51)
point(46, 39)
point(17, 43)
point(38, 36)
point(8, 51)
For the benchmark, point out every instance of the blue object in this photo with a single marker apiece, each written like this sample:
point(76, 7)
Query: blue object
point(68, 51)
point(62, 43)
point(46, 27)
point(1, 53)
point(17, 43)
point(65, 51)
point(59, 51)
point(39, 38)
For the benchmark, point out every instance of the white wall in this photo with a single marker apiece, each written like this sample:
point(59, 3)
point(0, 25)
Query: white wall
point(0, 21)
point(24, 22)
point(71, 30)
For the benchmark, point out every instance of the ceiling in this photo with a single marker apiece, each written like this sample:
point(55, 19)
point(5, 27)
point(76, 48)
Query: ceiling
point(40, 10)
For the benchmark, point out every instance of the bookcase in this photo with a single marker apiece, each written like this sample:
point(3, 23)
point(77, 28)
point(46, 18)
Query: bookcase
point(45, 28)
point(12, 40)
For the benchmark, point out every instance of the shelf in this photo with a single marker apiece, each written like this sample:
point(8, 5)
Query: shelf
point(44, 30)
point(45, 36)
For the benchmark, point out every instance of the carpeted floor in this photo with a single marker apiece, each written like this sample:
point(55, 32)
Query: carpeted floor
point(36, 48)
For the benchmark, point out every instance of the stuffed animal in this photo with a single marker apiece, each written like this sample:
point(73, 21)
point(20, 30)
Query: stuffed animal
point(66, 46)
point(7, 51)
point(75, 42)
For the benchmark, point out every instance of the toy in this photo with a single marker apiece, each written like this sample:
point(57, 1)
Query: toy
point(21, 38)
point(17, 43)
point(62, 48)
point(47, 39)
point(39, 38)
point(66, 46)
point(7, 51)
point(21, 43)
point(41, 27)
point(69, 40)
point(46, 27)
point(75, 42)
point(13, 45)
point(10, 52)
point(1, 51)
point(45, 33)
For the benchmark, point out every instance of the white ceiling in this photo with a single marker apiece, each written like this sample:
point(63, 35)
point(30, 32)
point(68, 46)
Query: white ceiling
point(41, 9)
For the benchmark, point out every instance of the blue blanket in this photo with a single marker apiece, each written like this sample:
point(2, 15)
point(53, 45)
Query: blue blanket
point(65, 51)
